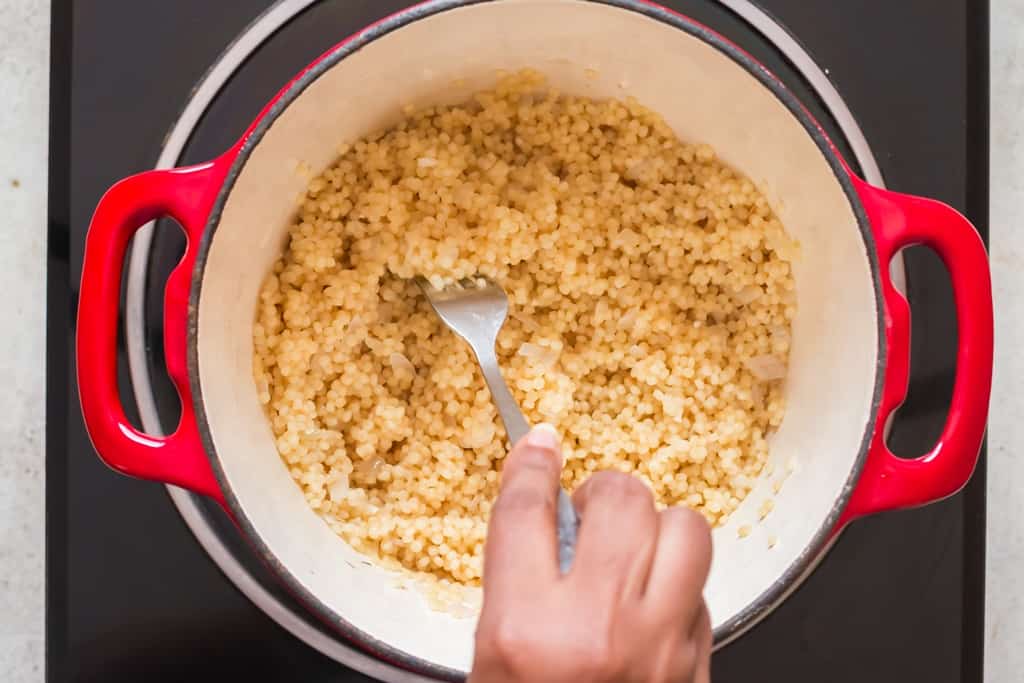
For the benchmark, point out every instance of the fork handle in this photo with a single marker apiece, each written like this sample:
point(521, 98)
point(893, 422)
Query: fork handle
point(516, 427)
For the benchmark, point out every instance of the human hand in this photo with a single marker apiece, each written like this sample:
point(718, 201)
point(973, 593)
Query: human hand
point(629, 611)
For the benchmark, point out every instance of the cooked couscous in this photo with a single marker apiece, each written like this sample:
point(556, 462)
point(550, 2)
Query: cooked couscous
point(650, 304)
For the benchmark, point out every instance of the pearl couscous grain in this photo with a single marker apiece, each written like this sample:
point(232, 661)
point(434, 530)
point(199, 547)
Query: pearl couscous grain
point(650, 304)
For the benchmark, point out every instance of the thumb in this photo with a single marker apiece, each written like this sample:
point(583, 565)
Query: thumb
point(521, 538)
point(537, 454)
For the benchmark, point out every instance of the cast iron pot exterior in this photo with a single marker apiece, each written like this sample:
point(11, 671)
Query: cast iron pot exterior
point(196, 196)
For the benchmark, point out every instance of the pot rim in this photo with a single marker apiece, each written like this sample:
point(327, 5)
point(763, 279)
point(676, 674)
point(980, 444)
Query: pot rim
point(808, 558)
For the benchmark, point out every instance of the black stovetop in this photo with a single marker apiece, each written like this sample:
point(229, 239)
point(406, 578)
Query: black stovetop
point(131, 596)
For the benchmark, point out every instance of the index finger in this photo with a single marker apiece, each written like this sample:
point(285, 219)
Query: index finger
point(521, 550)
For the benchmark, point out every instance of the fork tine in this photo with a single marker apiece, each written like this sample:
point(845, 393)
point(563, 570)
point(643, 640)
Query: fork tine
point(424, 284)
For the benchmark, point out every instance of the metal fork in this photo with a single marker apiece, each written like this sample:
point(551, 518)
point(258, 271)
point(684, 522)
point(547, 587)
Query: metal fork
point(475, 310)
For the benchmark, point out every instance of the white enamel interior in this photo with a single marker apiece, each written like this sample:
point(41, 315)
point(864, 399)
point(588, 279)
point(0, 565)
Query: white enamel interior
point(706, 97)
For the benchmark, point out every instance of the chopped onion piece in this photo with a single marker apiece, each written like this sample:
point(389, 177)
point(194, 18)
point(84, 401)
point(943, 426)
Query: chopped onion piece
point(782, 244)
point(370, 468)
point(671, 404)
point(766, 368)
point(338, 490)
point(478, 436)
point(628, 320)
point(401, 364)
point(748, 295)
point(526, 321)
point(757, 394)
point(540, 355)
point(637, 169)
point(717, 333)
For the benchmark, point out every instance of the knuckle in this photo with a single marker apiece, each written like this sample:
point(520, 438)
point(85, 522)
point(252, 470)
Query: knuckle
point(522, 500)
point(510, 641)
point(683, 528)
point(688, 524)
point(536, 458)
point(530, 468)
point(620, 487)
point(538, 464)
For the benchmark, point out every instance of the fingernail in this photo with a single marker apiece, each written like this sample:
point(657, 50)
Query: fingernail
point(543, 436)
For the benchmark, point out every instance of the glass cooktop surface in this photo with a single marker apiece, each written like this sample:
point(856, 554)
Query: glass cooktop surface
point(131, 594)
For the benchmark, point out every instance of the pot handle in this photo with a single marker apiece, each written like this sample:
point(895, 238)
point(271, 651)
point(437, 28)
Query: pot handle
point(887, 481)
point(185, 194)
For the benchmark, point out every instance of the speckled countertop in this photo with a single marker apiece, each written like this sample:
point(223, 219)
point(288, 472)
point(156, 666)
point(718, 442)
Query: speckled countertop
point(1004, 601)
point(24, 80)
point(24, 36)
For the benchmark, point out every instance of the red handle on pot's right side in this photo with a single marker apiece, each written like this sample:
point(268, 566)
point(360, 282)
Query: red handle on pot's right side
point(887, 481)
point(186, 195)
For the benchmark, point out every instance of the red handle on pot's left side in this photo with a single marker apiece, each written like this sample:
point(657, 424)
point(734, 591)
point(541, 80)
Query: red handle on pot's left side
point(889, 482)
point(185, 194)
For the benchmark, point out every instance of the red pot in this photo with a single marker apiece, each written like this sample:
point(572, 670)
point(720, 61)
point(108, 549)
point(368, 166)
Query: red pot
point(850, 353)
